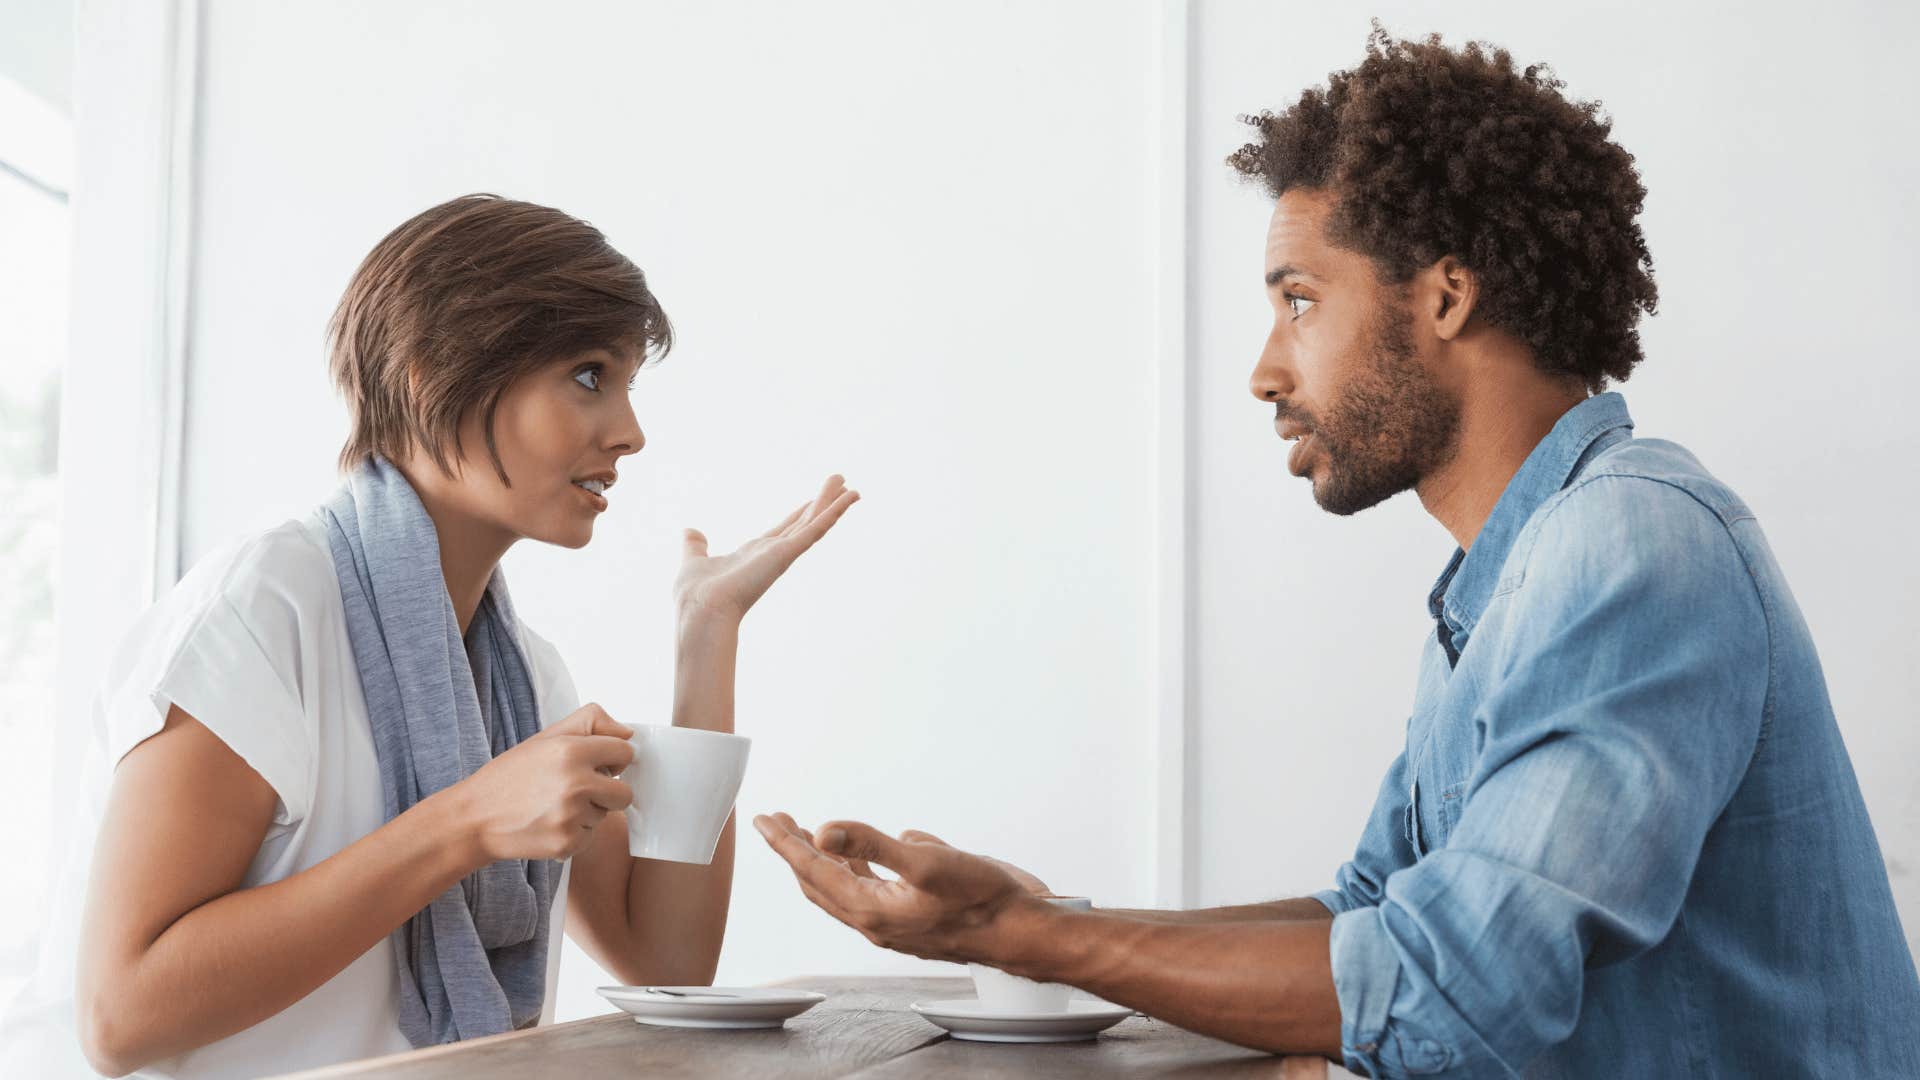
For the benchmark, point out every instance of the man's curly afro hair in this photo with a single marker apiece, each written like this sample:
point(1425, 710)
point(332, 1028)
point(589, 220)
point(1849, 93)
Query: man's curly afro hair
point(1430, 152)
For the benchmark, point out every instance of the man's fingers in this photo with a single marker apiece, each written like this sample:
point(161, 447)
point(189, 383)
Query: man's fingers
point(785, 821)
point(857, 840)
point(915, 836)
point(693, 544)
point(858, 866)
point(821, 872)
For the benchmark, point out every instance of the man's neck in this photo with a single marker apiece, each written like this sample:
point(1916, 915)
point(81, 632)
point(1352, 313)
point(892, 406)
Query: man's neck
point(1497, 432)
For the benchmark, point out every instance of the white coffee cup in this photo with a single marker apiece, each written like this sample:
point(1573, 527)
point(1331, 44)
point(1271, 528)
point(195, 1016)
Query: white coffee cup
point(684, 781)
point(1004, 993)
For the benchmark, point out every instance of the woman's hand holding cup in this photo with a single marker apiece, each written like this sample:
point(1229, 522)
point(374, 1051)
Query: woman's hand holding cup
point(543, 798)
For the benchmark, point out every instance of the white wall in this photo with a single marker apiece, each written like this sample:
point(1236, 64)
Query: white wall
point(909, 244)
point(1780, 161)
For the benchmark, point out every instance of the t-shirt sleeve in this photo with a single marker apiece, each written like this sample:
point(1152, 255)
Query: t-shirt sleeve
point(552, 683)
point(228, 655)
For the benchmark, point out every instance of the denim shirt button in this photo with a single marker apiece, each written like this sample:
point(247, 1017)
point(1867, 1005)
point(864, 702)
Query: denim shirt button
point(1426, 1056)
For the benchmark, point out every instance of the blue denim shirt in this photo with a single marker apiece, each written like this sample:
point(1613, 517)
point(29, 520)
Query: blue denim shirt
point(1624, 838)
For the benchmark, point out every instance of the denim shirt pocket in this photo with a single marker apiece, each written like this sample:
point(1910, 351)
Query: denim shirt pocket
point(1442, 811)
point(1453, 798)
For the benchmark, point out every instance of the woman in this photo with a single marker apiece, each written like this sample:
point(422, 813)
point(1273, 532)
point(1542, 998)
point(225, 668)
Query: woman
point(352, 799)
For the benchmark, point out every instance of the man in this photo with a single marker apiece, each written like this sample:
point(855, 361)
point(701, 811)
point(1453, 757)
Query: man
point(1624, 838)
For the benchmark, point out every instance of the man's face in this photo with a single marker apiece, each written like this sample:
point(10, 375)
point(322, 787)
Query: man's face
point(1341, 367)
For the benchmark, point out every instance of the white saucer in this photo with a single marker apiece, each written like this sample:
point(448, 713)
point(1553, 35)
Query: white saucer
point(712, 1006)
point(968, 1019)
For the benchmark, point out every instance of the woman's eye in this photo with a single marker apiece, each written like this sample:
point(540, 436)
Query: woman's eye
point(588, 378)
point(1299, 305)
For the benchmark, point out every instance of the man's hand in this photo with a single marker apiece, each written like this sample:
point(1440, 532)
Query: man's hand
point(1027, 881)
point(947, 905)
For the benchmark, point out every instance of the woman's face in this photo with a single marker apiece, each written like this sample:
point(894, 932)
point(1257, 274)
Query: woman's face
point(560, 430)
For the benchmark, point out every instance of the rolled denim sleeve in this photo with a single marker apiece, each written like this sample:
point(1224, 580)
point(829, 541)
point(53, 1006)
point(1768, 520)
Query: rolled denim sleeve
point(1622, 708)
point(1383, 848)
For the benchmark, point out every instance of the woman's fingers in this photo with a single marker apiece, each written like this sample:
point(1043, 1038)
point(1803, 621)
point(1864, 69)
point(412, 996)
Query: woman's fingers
point(810, 531)
point(786, 522)
point(694, 544)
point(829, 491)
point(610, 794)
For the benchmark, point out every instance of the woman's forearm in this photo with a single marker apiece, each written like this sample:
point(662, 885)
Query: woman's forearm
point(677, 912)
point(244, 956)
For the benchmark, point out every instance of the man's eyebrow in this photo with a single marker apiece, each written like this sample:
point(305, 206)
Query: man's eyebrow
point(1277, 273)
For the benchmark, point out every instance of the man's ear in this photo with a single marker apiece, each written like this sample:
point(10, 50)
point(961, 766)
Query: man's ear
point(1449, 291)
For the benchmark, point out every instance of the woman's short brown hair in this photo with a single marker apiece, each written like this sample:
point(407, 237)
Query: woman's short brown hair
point(455, 304)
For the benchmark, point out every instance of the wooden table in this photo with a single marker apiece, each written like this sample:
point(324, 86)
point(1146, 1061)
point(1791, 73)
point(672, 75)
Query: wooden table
point(863, 1029)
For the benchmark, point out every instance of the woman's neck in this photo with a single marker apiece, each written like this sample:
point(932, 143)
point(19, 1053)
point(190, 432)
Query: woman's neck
point(470, 547)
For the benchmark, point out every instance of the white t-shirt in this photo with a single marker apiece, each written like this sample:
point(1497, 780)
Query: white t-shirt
point(253, 644)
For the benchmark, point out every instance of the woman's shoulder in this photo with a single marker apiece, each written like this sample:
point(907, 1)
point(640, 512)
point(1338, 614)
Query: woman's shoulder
point(228, 645)
point(291, 562)
point(274, 585)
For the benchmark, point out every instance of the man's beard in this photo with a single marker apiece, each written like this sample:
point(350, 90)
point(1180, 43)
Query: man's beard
point(1391, 427)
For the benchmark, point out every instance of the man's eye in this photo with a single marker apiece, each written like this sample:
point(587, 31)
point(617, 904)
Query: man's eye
point(589, 378)
point(1299, 305)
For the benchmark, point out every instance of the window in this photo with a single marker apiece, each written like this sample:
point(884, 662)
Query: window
point(35, 155)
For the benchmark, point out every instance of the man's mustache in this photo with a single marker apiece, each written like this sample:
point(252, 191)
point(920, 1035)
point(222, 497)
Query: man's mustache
point(1286, 410)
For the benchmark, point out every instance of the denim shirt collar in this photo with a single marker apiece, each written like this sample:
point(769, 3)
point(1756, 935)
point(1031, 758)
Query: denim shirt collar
point(1461, 594)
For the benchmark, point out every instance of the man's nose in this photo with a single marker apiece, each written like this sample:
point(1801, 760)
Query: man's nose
point(1272, 377)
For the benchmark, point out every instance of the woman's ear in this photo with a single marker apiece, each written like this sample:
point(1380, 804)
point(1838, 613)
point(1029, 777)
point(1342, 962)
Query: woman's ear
point(1450, 291)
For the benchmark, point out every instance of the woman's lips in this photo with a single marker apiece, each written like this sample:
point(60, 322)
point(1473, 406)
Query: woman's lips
point(598, 502)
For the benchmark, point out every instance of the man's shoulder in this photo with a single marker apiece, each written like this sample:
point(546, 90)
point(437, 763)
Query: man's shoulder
point(1644, 503)
point(1659, 464)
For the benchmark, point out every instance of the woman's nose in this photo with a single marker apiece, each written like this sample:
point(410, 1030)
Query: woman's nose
point(627, 437)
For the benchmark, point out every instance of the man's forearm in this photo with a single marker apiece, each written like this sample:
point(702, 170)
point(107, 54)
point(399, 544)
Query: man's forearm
point(1265, 983)
point(1296, 909)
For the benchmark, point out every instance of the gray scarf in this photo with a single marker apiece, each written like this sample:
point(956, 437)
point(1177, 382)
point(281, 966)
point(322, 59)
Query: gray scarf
point(473, 961)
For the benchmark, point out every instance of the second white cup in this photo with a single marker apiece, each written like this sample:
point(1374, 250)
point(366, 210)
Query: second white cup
point(1004, 993)
point(684, 782)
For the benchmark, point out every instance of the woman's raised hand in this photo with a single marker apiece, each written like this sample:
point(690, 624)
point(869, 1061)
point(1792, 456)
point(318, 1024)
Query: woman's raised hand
point(727, 585)
point(543, 798)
